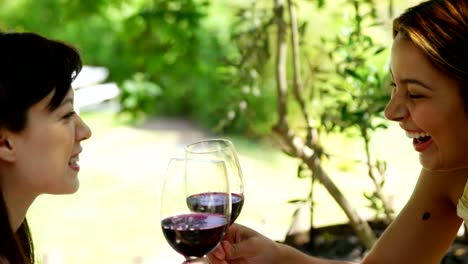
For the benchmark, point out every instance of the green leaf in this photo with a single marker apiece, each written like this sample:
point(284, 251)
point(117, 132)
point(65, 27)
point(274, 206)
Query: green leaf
point(295, 201)
point(353, 74)
point(379, 50)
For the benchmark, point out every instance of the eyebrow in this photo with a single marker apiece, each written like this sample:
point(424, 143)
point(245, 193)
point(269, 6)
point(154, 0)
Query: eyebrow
point(413, 81)
point(68, 100)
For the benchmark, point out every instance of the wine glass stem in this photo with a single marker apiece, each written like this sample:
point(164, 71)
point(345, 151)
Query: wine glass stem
point(202, 260)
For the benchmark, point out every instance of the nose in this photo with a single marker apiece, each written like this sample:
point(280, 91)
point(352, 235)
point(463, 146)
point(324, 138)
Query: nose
point(396, 109)
point(83, 132)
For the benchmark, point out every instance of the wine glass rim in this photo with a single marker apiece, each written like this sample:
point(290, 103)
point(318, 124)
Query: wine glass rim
point(191, 147)
point(176, 159)
point(180, 159)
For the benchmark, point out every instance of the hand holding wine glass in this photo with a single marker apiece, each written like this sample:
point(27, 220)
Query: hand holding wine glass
point(191, 233)
point(222, 149)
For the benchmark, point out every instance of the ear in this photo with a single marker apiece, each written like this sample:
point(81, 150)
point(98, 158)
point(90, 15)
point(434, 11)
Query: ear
point(7, 146)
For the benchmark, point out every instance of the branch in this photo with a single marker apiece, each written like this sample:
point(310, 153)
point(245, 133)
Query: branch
point(281, 53)
point(295, 145)
point(297, 82)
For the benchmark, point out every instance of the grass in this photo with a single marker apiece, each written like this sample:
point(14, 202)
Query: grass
point(114, 216)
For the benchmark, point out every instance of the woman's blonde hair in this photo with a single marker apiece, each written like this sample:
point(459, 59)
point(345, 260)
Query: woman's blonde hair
point(440, 29)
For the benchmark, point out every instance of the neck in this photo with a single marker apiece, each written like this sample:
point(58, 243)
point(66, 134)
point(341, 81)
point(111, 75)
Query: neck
point(459, 171)
point(17, 217)
point(16, 205)
point(17, 195)
point(17, 212)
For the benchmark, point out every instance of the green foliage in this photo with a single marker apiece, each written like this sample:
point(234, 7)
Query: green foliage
point(353, 90)
point(341, 92)
point(226, 83)
point(162, 40)
point(355, 83)
point(347, 95)
point(249, 94)
point(165, 40)
point(249, 103)
point(138, 96)
point(375, 201)
point(376, 204)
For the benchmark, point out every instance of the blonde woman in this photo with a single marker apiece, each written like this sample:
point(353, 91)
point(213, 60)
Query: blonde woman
point(430, 102)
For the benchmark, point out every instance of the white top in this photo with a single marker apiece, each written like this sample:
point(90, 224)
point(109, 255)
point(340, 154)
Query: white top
point(462, 206)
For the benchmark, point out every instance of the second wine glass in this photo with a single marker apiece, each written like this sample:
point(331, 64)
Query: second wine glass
point(222, 149)
point(191, 233)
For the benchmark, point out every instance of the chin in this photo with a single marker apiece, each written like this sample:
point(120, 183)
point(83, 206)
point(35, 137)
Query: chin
point(430, 163)
point(74, 188)
point(71, 185)
point(64, 190)
point(440, 165)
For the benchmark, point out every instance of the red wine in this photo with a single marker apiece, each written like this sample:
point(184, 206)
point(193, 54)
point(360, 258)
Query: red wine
point(194, 235)
point(199, 203)
point(237, 203)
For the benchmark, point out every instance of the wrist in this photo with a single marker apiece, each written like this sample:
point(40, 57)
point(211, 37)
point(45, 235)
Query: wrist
point(288, 254)
point(283, 252)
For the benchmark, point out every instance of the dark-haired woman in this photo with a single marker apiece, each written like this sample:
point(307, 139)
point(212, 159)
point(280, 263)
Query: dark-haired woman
point(40, 133)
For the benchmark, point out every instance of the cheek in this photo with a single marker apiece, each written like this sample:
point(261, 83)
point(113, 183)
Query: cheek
point(427, 119)
point(46, 158)
point(460, 134)
point(438, 118)
point(452, 141)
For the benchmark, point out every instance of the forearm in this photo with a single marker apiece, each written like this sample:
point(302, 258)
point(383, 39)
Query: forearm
point(291, 255)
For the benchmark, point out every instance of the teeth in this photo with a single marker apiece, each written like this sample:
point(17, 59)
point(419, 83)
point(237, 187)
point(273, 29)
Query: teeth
point(417, 134)
point(74, 160)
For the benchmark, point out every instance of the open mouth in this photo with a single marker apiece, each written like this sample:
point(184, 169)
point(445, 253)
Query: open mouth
point(419, 138)
point(73, 163)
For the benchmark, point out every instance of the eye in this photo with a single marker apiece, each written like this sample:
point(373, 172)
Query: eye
point(414, 95)
point(69, 115)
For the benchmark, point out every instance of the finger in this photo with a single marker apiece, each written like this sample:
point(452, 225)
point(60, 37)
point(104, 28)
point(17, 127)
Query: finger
point(219, 252)
point(214, 260)
point(231, 233)
point(229, 251)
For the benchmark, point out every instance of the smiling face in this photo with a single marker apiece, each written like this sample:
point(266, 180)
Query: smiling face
point(46, 151)
point(428, 105)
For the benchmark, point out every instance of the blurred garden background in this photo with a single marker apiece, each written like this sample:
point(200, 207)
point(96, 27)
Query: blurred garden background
point(299, 86)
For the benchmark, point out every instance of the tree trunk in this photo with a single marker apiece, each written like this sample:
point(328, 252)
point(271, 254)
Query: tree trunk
point(292, 144)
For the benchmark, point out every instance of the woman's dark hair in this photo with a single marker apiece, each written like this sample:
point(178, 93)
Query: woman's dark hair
point(31, 67)
point(440, 29)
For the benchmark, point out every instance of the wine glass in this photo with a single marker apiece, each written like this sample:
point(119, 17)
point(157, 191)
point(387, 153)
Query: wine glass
point(195, 233)
point(222, 149)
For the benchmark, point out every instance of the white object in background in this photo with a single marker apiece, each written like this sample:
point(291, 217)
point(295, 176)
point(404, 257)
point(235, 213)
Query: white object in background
point(95, 94)
point(90, 89)
point(90, 75)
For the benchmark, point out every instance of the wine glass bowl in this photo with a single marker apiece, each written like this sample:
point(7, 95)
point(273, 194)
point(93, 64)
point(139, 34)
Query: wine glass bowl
point(222, 149)
point(191, 233)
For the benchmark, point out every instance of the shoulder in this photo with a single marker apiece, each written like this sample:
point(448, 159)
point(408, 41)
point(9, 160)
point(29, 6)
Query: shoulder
point(445, 185)
point(426, 226)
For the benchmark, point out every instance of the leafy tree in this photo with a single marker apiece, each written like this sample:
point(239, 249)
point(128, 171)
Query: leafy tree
point(343, 92)
point(165, 40)
point(358, 92)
